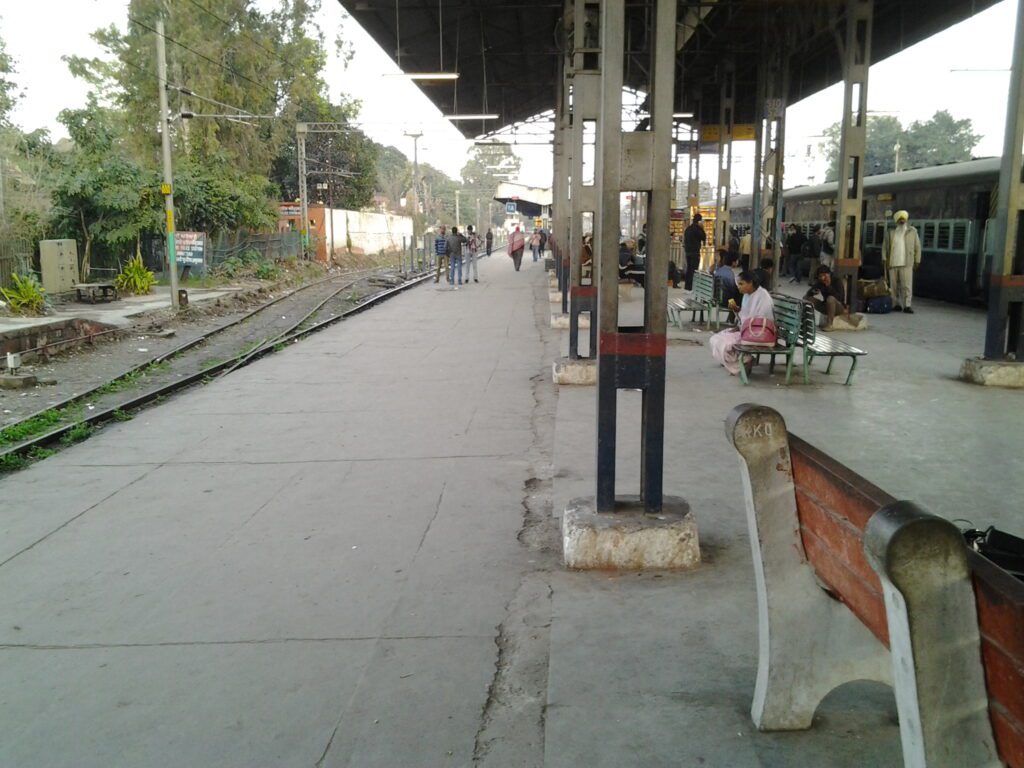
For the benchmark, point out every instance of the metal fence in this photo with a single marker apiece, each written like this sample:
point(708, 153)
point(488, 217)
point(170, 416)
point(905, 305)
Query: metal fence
point(275, 246)
point(15, 258)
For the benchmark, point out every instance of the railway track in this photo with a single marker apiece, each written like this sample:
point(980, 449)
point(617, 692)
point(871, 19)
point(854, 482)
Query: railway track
point(269, 327)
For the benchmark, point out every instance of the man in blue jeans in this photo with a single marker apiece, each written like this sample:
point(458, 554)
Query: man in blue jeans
point(441, 254)
point(454, 242)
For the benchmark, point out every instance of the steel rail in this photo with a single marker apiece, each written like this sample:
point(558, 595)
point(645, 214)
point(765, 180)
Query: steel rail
point(204, 375)
point(181, 347)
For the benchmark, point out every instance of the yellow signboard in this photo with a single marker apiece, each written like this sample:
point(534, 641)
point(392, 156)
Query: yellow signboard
point(538, 222)
point(740, 132)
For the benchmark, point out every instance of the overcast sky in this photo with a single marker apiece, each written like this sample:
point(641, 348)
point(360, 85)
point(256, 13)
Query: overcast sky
point(912, 85)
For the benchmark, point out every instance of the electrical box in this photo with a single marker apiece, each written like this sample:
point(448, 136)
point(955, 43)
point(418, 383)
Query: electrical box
point(58, 261)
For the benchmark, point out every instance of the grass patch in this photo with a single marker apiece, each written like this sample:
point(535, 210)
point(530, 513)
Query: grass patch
point(120, 415)
point(77, 434)
point(39, 453)
point(279, 346)
point(133, 378)
point(213, 362)
point(31, 427)
point(12, 462)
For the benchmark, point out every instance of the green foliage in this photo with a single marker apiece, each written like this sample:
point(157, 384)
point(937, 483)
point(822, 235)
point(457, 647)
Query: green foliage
point(120, 415)
point(922, 144)
point(487, 167)
point(36, 425)
point(12, 462)
point(135, 278)
point(27, 297)
point(214, 198)
point(77, 433)
point(8, 88)
point(267, 270)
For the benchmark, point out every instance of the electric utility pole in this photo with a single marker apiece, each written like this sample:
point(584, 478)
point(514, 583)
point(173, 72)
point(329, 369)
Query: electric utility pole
point(165, 139)
point(300, 140)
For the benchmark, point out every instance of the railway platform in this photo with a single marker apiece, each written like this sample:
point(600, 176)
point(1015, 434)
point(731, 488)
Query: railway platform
point(347, 553)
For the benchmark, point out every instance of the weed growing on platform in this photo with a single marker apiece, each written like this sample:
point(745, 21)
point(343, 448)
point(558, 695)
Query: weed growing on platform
point(39, 453)
point(76, 434)
point(120, 415)
point(31, 427)
point(12, 462)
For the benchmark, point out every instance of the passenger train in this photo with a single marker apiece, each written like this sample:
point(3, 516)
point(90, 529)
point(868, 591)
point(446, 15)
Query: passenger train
point(952, 206)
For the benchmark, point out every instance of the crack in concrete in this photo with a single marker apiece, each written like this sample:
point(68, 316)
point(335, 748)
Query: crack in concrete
point(256, 641)
point(433, 517)
point(72, 519)
point(514, 715)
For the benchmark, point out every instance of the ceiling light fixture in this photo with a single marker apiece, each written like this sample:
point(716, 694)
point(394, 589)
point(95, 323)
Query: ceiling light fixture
point(472, 117)
point(425, 75)
point(682, 114)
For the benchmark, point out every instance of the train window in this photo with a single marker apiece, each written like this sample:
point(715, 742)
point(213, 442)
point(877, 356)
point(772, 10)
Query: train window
point(928, 235)
point(943, 242)
point(869, 233)
point(959, 235)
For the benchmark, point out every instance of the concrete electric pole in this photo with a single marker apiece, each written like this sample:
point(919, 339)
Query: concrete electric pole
point(165, 140)
point(300, 140)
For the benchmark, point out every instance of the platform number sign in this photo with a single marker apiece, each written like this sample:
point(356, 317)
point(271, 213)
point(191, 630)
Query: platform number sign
point(510, 207)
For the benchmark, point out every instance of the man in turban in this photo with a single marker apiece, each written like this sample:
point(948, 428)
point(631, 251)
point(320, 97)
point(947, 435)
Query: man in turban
point(901, 255)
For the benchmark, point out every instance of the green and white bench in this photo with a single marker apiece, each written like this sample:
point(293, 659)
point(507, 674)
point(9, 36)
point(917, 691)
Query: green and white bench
point(705, 298)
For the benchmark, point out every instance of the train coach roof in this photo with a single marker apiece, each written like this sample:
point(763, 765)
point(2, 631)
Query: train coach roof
point(970, 170)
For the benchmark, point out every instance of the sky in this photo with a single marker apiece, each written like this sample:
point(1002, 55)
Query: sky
point(912, 85)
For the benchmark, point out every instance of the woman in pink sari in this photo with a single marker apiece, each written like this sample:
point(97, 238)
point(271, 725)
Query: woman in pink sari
point(516, 243)
point(757, 306)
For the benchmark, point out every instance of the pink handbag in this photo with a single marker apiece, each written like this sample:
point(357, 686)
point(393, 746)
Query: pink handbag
point(759, 331)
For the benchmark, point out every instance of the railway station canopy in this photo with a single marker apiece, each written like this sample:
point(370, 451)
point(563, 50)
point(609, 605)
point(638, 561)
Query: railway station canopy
point(506, 54)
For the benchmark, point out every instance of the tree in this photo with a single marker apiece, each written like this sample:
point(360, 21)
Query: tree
point(933, 142)
point(487, 167)
point(394, 176)
point(939, 140)
point(8, 88)
point(101, 193)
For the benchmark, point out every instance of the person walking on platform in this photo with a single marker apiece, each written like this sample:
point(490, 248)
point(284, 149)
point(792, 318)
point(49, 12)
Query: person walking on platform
point(794, 251)
point(543, 241)
point(516, 243)
point(455, 243)
point(694, 237)
point(441, 254)
point(828, 244)
point(901, 255)
point(489, 239)
point(472, 251)
point(535, 245)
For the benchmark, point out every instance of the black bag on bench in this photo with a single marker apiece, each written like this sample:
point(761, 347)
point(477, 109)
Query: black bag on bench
point(1003, 549)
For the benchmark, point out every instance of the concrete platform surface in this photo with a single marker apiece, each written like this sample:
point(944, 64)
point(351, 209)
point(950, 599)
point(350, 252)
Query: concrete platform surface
point(347, 554)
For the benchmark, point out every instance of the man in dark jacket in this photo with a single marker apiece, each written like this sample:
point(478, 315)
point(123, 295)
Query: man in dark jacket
point(832, 293)
point(455, 241)
point(694, 237)
point(794, 245)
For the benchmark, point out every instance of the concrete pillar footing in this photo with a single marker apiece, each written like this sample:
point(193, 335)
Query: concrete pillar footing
point(628, 539)
point(582, 371)
point(993, 373)
point(560, 321)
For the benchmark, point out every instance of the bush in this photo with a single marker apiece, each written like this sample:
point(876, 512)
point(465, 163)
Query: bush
point(135, 278)
point(27, 297)
point(267, 270)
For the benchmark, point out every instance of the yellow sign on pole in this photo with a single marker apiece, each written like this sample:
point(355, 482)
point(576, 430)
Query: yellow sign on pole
point(740, 132)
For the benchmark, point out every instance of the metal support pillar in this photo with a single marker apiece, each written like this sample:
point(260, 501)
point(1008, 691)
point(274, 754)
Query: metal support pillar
point(585, 72)
point(300, 141)
point(856, 57)
point(757, 197)
point(770, 166)
point(1004, 332)
point(726, 120)
point(562, 204)
point(633, 358)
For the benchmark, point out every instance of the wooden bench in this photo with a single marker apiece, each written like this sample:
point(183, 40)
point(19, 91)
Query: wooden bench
point(705, 298)
point(854, 585)
point(92, 291)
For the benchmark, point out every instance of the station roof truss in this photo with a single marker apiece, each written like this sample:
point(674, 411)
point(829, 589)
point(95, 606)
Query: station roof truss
point(507, 53)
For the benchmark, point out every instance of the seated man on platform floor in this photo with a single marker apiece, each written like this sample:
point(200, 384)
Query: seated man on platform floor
point(832, 294)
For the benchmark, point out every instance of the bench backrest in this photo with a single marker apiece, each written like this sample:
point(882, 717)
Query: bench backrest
point(792, 323)
point(705, 287)
point(834, 505)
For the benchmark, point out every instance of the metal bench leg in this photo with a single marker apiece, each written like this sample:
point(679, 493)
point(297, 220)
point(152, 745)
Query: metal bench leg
point(743, 372)
point(831, 359)
point(808, 359)
point(853, 364)
point(789, 367)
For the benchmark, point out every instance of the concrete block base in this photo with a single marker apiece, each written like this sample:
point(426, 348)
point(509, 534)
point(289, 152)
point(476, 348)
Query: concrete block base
point(561, 322)
point(993, 373)
point(17, 381)
point(628, 539)
point(555, 297)
point(565, 370)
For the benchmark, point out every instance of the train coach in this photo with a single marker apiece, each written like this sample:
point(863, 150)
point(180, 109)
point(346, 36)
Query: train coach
point(952, 206)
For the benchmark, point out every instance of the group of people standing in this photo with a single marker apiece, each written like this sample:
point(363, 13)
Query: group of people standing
point(453, 249)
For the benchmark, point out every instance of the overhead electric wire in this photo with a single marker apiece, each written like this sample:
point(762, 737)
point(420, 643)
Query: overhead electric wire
point(203, 56)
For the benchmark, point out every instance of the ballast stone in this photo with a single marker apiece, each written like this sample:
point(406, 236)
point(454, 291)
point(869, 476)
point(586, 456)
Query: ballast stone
point(583, 371)
point(628, 539)
point(993, 373)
